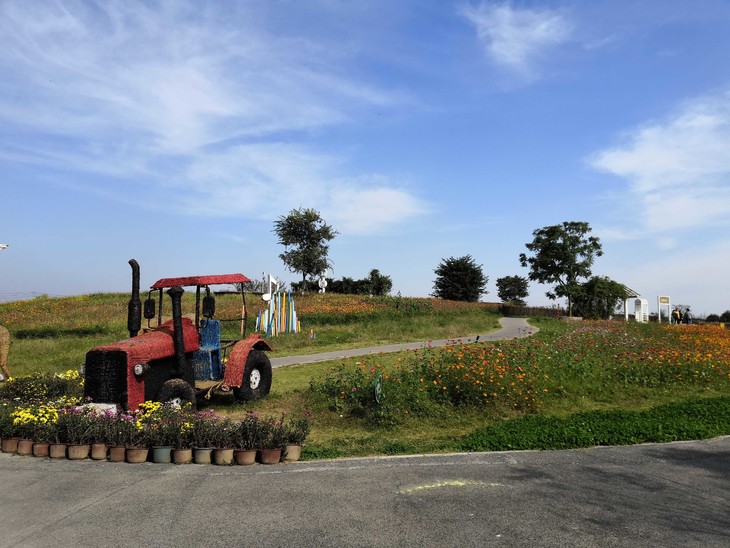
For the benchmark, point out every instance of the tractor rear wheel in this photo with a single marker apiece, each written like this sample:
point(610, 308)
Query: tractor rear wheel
point(177, 392)
point(256, 381)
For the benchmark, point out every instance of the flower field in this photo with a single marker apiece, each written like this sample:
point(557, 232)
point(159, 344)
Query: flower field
point(568, 360)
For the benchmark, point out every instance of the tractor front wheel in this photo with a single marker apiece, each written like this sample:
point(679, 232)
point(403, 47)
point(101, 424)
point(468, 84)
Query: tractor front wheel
point(256, 381)
point(176, 391)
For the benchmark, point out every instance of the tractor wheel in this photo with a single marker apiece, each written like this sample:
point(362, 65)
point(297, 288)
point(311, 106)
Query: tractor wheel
point(256, 381)
point(177, 392)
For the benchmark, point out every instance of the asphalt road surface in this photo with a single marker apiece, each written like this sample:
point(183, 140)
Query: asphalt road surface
point(512, 328)
point(660, 495)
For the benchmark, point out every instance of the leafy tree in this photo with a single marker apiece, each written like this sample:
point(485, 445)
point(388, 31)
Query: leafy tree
point(562, 255)
point(713, 318)
point(459, 280)
point(725, 316)
point(305, 236)
point(380, 284)
point(512, 289)
point(599, 297)
point(375, 284)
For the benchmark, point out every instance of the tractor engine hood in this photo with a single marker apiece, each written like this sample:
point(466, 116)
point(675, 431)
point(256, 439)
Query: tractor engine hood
point(145, 348)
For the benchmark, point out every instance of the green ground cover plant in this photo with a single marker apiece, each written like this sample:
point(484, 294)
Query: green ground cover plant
point(685, 420)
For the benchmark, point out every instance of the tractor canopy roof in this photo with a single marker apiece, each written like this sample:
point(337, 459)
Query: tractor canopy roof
point(200, 280)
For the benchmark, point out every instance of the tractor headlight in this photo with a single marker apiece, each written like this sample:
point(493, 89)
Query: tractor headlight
point(139, 369)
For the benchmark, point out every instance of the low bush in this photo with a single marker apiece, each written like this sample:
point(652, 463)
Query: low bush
point(41, 387)
point(694, 419)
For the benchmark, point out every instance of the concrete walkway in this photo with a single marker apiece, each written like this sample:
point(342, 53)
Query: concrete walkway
point(512, 328)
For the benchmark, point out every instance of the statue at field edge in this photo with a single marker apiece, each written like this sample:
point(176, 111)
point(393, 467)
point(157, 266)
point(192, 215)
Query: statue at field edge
point(4, 350)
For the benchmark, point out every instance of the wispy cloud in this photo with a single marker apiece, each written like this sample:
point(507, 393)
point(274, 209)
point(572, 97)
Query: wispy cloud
point(517, 38)
point(201, 100)
point(678, 169)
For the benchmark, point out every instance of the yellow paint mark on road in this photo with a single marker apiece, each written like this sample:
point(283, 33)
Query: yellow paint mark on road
point(453, 483)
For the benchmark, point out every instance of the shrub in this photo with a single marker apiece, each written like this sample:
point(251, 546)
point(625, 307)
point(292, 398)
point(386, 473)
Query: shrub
point(352, 389)
point(41, 387)
point(296, 429)
point(669, 422)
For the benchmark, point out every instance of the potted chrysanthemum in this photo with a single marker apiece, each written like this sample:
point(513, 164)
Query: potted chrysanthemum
point(296, 431)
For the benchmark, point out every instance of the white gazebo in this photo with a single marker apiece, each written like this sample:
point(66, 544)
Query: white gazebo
point(641, 306)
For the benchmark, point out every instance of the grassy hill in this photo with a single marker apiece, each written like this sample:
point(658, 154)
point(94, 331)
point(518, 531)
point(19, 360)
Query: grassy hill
point(54, 334)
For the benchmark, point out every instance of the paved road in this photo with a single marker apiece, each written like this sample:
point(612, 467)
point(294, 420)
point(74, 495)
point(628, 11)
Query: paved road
point(511, 328)
point(661, 495)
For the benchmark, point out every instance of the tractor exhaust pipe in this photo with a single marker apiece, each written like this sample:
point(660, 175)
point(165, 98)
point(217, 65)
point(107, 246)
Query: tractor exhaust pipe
point(134, 311)
point(177, 336)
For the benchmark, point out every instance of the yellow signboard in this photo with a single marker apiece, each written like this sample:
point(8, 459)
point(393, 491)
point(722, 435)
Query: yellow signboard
point(663, 300)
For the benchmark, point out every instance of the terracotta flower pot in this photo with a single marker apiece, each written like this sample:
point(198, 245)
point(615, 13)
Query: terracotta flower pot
point(41, 449)
point(244, 457)
point(78, 451)
point(9, 445)
point(98, 451)
point(223, 457)
point(270, 456)
point(25, 447)
point(291, 453)
point(182, 456)
point(117, 453)
point(57, 451)
point(137, 455)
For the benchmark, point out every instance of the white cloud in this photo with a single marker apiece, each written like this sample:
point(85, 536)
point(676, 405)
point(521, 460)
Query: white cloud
point(366, 209)
point(517, 38)
point(203, 102)
point(678, 169)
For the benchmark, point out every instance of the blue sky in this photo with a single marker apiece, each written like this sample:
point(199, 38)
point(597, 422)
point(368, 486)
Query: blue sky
point(177, 132)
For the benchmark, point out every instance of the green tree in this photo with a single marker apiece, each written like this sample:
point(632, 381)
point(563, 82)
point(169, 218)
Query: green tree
point(459, 280)
point(562, 254)
point(599, 297)
point(305, 236)
point(512, 289)
point(380, 284)
point(375, 284)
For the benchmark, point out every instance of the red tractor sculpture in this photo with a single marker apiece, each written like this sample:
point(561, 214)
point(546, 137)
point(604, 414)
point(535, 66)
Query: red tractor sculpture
point(181, 359)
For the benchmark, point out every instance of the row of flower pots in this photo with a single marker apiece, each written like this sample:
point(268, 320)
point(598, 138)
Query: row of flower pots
point(163, 455)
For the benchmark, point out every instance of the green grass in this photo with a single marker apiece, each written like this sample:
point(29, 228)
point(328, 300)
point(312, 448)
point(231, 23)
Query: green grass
point(53, 334)
point(684, 420)
point(601, 387)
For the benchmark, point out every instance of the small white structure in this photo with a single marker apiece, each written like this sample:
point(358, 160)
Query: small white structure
point(630, 294)
point(322, 281)
point(641, 310)
point(662, 301)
